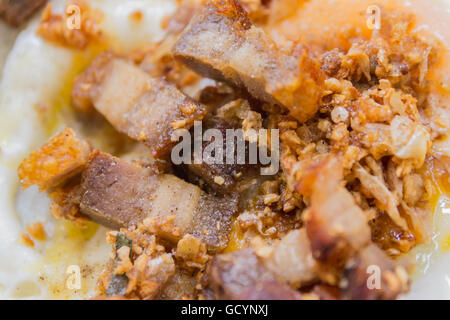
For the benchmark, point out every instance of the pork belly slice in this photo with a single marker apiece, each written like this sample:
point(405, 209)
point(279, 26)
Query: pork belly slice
point(242, 275)
point(221, 43)
point(116, 193)
point(64, 156)
point(119, 194)
point(144, 108)
point(17, 12)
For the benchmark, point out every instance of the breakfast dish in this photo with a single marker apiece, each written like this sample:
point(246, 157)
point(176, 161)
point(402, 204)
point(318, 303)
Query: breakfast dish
point(225, 149)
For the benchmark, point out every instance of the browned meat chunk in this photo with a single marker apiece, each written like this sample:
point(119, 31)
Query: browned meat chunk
point(241, 275)
point(59, 159)
point(223, 178)
point(142, 107)
point(335, 224)
point(373, 275)
point(211, 221)
point(16, 12)
point(86, 84)
point(116, 193)
point(119, 194)
point(221, 43)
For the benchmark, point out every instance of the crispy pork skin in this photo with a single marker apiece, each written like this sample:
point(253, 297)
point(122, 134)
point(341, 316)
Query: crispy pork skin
point(144, 108)
point(56, 161)
point(17, 12)
point(118, 194)
point(221, 43)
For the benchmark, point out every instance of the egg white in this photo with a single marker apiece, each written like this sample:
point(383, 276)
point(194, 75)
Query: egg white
point(34, 73)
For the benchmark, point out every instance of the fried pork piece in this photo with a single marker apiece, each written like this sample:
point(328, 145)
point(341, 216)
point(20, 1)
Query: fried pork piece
point(115, 193)
point(118, 194)
point(144, 108)
point(56, 161)
point(17, 12)
point(241, 275)
point(336, 225)
point(341, 239)
point(373, 275)
point(264, 271)
point(224, 177)
point(221, 43)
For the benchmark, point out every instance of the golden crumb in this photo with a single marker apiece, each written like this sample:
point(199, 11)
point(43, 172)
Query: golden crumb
point(136, 16)
point(62, 157)
point(36, 230)
point(177, 124)
point(162, 227)
point(124, 263)
point(26, 240)
point(192, 251)
point(271, 198)
point(188, 108)
point(219, 180)
point(142, 136)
